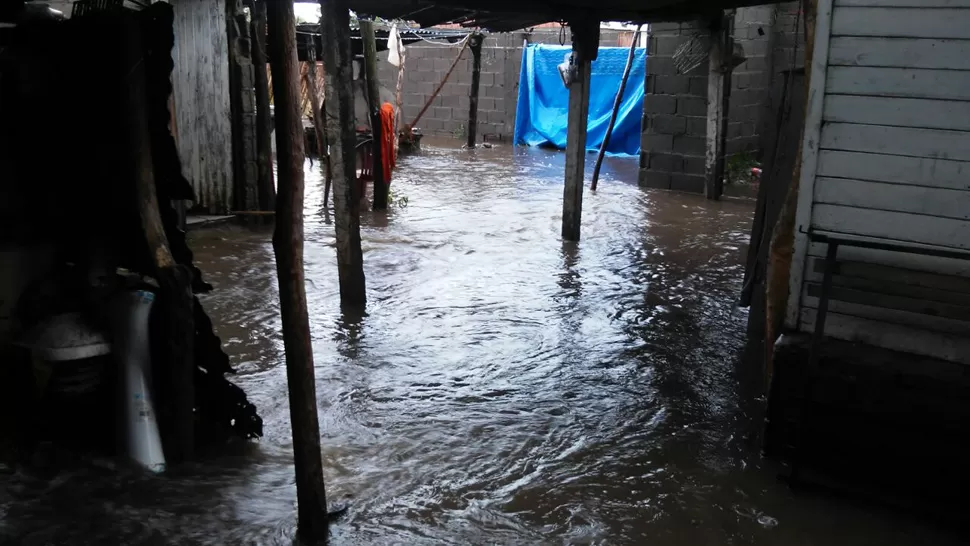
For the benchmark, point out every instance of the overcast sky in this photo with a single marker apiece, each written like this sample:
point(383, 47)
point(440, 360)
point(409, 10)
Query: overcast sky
point(307, 11)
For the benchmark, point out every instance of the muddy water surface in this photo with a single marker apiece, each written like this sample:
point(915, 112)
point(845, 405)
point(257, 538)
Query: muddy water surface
point(502, 388)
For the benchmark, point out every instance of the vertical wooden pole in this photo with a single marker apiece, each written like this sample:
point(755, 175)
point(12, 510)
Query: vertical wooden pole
point(616, 109)
point(288, 246)
point(585, 44)
point(338, 71)
point(266, 188)
point(476, 47)
point(374, 108)
point(398, 102)
point(718, 93)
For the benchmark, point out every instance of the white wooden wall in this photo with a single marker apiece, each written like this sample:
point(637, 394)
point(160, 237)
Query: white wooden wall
point(886, 155)
point(200, 83)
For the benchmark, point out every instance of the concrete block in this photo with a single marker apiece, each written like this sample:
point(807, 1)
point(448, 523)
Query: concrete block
point(694, 165)
point(667, 124)
point(660, 104)
point(697, 126)
point(487, 79)
point(424, 65)
point(661, 66)
point(650, 84)
point(667, 45)
point(651, 179)
point(643, 160)
point(657, 143)
point(675, 85)
point(441, 64)
point(698, 86)
point(665, 162)
point(687, 182)
point(691, 106)
point(442, 113)
point(486, 103)
point(690, 145)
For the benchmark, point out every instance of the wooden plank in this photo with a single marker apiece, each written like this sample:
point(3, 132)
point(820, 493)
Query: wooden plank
point(949, 347)
point(868, 296)
point(896, 281)
point(903, 141)
point(904, 3)
point(200, 82)
point(899, 112)
point(899, 226)
point(572, 201)
point(871, 306)
point(902, 22)
point(899, 82)
point(809, 158)
point(900, 52)
point(927, 172)
point(945, 267)
point(894, 197)
point(288, 246)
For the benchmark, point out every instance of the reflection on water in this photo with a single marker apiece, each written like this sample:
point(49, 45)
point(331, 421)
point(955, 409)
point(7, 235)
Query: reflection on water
point(503, 387)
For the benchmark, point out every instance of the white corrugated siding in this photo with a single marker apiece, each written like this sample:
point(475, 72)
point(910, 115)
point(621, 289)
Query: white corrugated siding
point(891, 162)
point(201, 92)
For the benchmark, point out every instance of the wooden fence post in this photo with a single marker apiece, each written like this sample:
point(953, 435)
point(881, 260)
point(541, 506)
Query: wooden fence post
point(338, 71)
point(476, 46)
point(266, 188)
point(374, 109)
point(288, 246)
point(585, 45)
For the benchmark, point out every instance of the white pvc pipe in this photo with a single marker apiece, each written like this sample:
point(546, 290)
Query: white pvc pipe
point(142, 440)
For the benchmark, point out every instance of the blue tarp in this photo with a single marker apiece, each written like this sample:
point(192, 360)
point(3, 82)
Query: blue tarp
point(540, 116)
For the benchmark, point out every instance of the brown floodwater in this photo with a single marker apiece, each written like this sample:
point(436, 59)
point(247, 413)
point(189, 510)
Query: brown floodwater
point(503, 387)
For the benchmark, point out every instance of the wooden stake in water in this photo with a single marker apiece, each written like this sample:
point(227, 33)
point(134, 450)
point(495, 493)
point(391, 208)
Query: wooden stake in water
point(288, 245)
point(338, 70)
point(616, 109)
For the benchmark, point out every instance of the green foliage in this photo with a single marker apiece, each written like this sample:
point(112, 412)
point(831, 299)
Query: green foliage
point(394, 200)
point(737, 169)
point(460, 132)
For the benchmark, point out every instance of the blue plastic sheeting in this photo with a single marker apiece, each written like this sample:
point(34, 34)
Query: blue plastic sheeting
point(540, 117)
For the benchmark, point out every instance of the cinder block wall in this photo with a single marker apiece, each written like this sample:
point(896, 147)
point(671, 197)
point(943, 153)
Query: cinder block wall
point(751, 80)
point(427, 63)
point(674, 126)
point(674, 130)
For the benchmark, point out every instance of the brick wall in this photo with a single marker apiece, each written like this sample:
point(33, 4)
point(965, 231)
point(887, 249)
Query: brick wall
point(674, 129)
point(674, 126)
point(426, 65)
point(751, 80)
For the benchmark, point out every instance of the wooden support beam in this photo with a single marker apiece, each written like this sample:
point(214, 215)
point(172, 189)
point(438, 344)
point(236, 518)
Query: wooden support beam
point(338, 70)
point(288, 246)
point(585, 44)
point(718, 95)
point(374, 109)
point(475, 45)
point(266, 188)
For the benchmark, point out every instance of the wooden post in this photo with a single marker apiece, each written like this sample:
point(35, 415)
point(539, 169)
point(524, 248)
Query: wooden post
point(585, 44)
point(374, 108)
point(174, 280)
point(616, 110)
point(338, 71)
point(476, 40)
point(288, 246)
point(266, 188)
point(718, 93)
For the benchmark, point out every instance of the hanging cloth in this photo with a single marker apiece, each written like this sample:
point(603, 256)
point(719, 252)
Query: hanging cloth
point(388, 154)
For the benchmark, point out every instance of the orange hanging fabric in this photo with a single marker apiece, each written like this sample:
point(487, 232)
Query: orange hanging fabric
point(388, 158)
